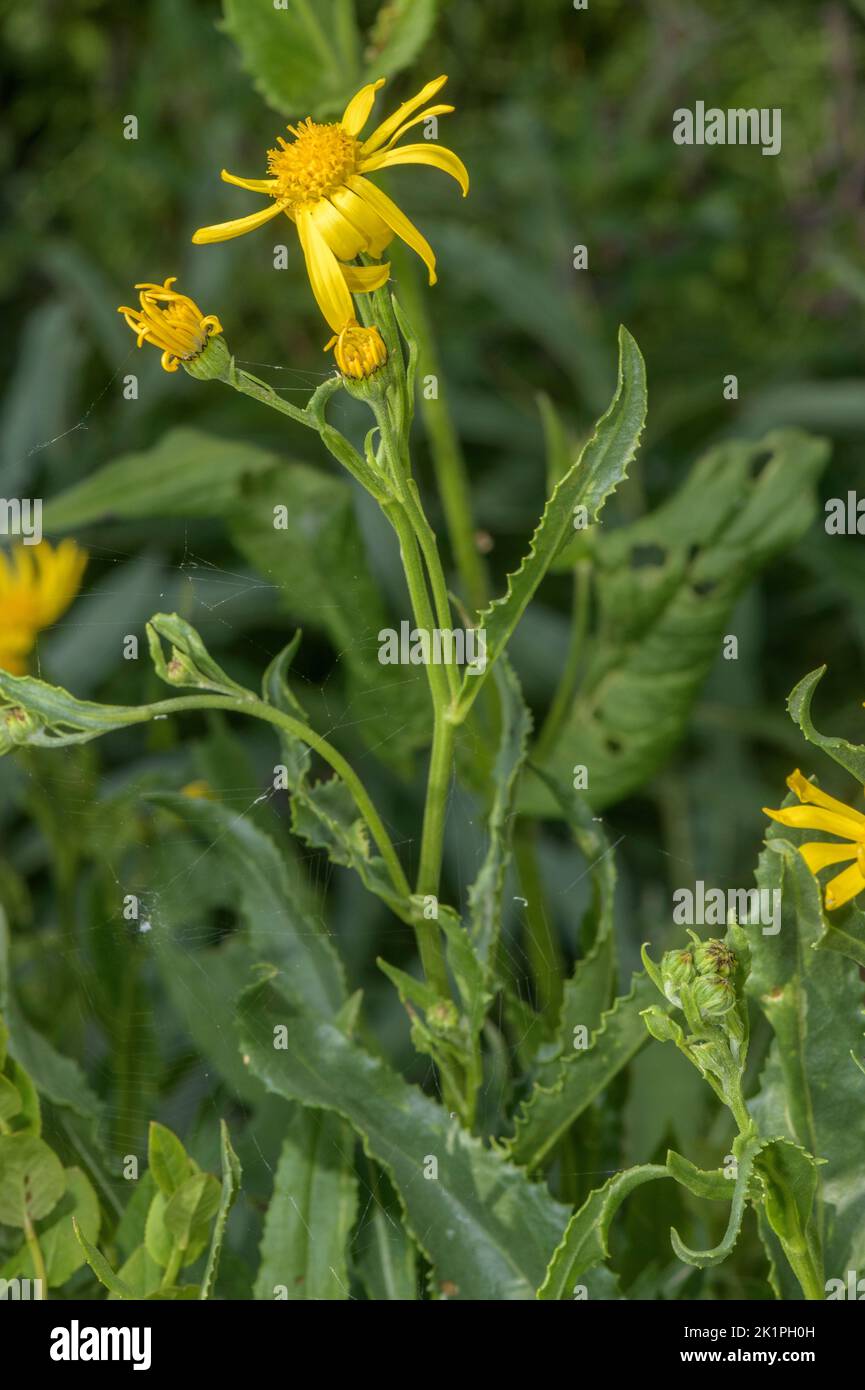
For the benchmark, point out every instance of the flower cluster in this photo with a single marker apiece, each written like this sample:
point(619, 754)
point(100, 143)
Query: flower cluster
point(705, 981)
point(320, 180)
point(706, 970)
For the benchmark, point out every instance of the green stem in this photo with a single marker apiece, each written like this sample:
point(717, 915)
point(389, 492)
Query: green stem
point(418, 593)
point(804, 1266)
point(438, 787)
point(36, 1254)
point(563, 698)
point(448, 461)
point(438, 584)
point(259, 710)
point(259, 390)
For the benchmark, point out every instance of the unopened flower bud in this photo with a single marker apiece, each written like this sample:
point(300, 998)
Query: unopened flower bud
point(713, 995)
point(443, 1017)
point(714, 958)
point(17, 725)
point(677, 969)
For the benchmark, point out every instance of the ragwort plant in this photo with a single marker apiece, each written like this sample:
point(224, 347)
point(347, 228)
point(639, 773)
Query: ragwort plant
point(483, 1192)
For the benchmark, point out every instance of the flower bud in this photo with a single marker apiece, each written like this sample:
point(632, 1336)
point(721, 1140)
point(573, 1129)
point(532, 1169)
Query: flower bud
point(443, 1017)
point(677, 969)
point(359, 351)
point(16, 727)
point(713, 995)
point(714, 958)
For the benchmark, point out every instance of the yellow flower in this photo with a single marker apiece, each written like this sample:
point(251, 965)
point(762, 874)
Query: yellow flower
point(358, 351)
point(822, 812)
point(37, 584)
point(170, 321)
point(319, 181)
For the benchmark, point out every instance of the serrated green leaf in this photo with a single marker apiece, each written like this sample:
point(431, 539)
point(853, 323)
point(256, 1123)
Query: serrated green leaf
point(584, 1243)
point(55, 718)
point(32, 1179)
point(712, 1185)
point(581, 1076)
point(486, 1229)
point(326, 817)
point(601, 466)
point(100, 1266)
point(231, 1175)
point(849, 755)
point(745, 1149)
point(811, 1091)
point(666, 586)
point(588, 991)
point(309, 1219)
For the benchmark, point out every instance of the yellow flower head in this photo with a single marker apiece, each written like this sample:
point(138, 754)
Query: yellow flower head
point(37, 584)
point(170, 321)
point(319, 180)
point(358, 351)
point(822, 812)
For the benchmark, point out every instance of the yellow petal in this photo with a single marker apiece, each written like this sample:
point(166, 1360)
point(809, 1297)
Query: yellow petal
point(356, 114)
point(325, 273)
point(806, 791)
point(819, 855)
point(416, 120)
point(437, 155)
point(813, 818)
point(343, 238)
point(397, 220)
point(387, 128)
point(224, 231)
point(843, 887)
point(378, 234)
point(363, 278)
point(253, 185)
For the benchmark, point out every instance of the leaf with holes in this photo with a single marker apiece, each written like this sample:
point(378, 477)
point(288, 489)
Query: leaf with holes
point(666, 586)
